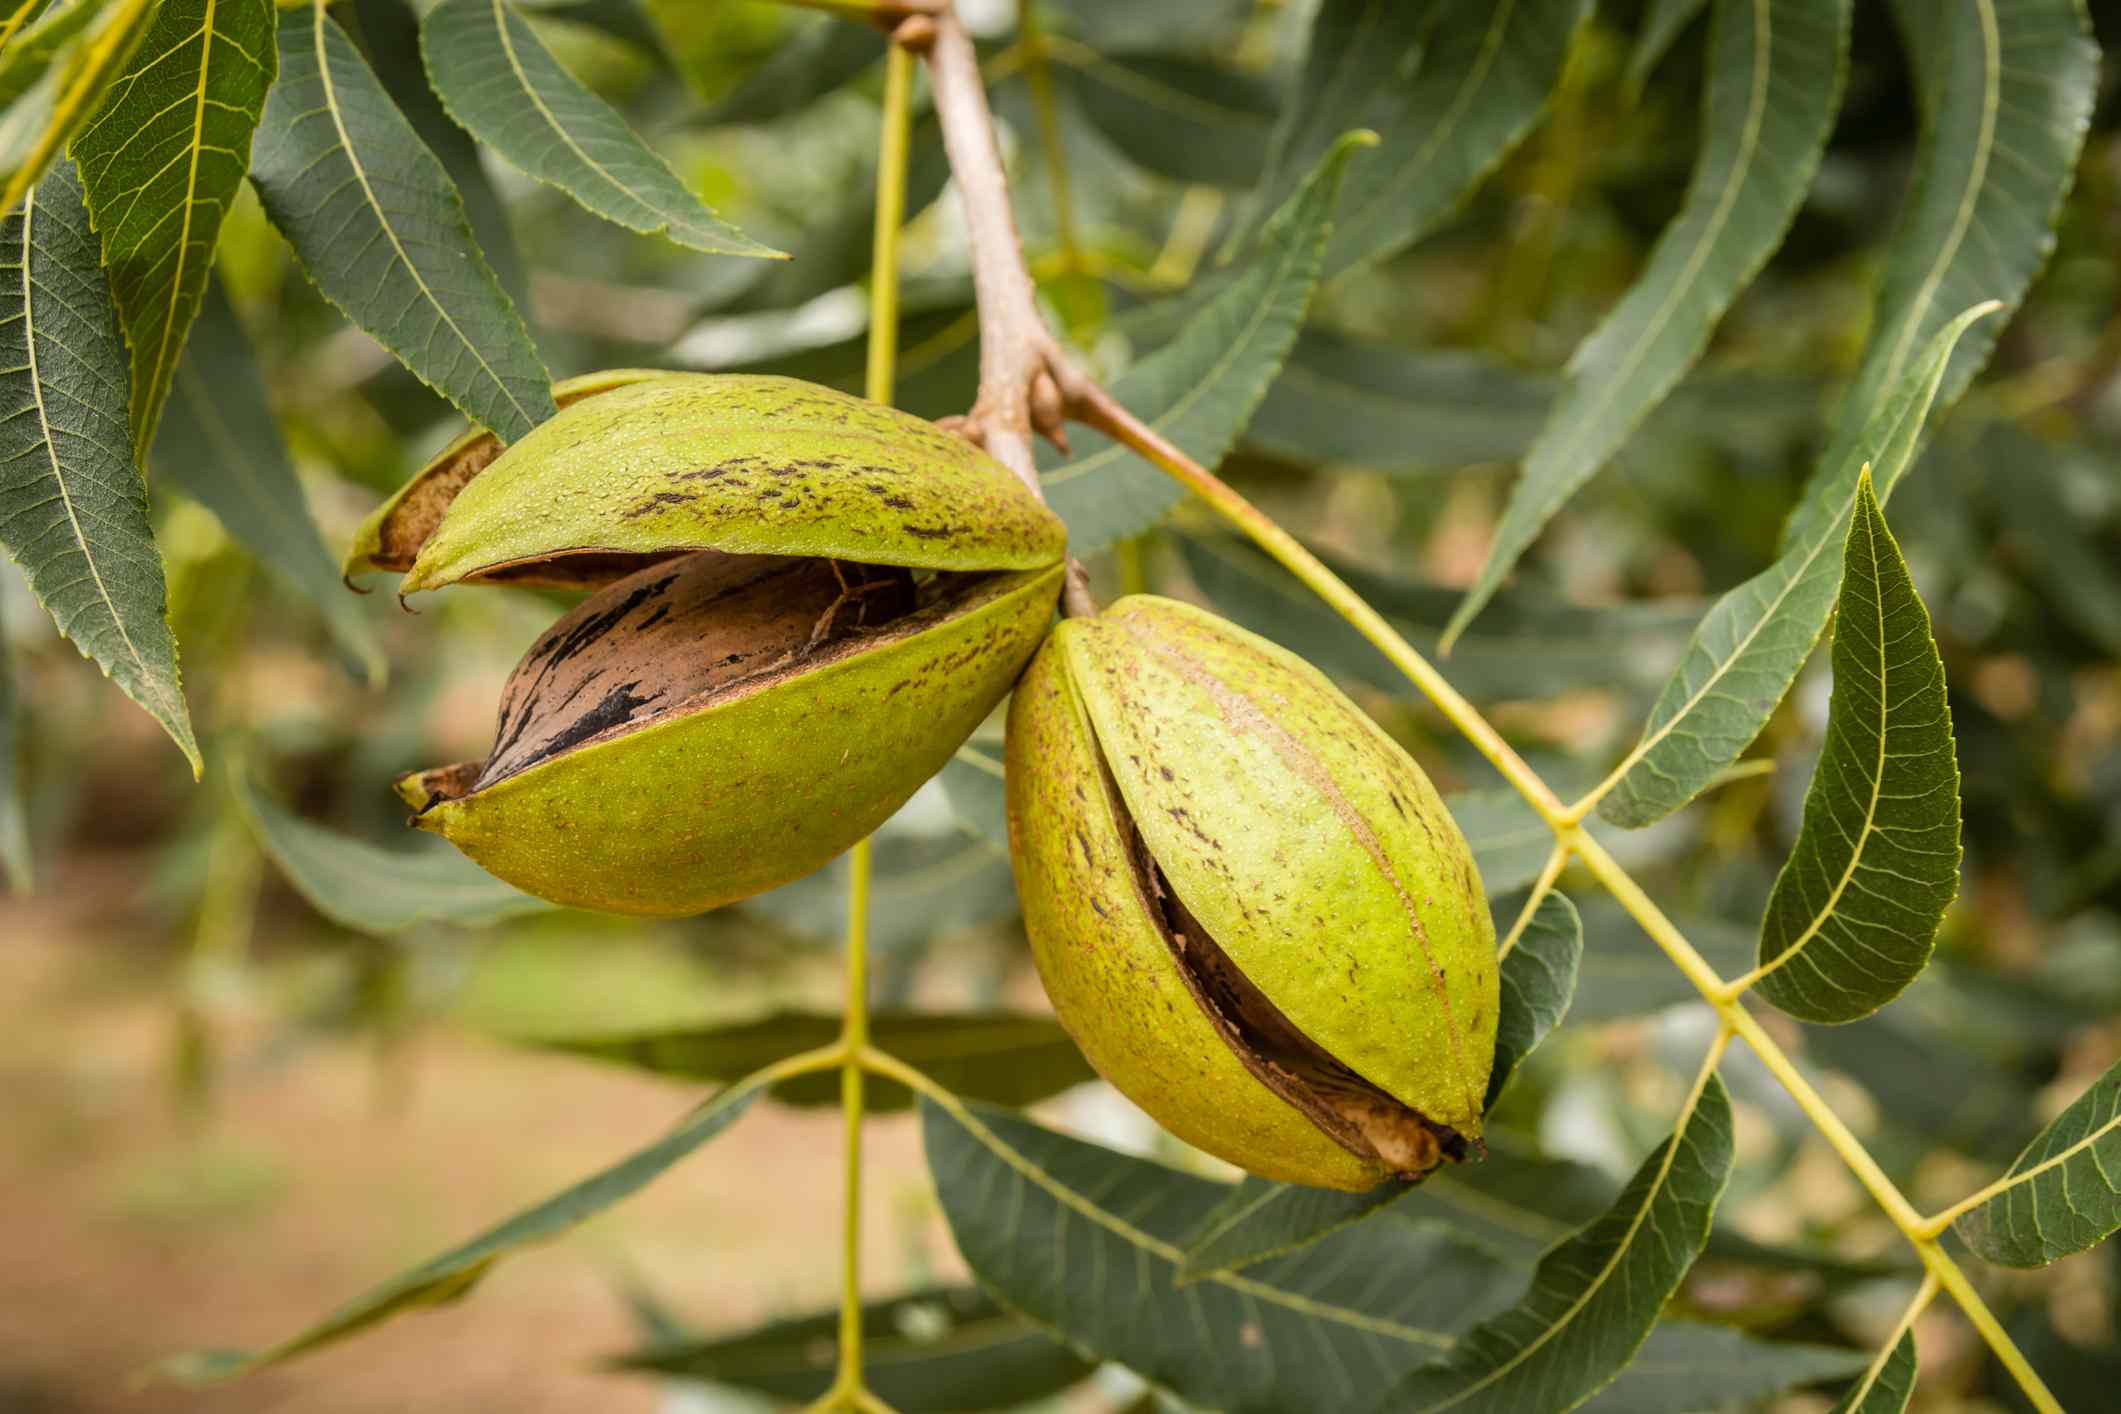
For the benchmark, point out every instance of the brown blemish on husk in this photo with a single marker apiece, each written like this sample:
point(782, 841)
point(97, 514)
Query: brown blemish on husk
point(1244, 717)
point(1358, 1116)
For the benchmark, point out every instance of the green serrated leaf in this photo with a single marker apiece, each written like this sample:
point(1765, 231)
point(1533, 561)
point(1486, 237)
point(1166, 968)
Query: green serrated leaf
point(220, 445)
point(161, 161)
point(1179, 117)
point(1087, 1243)
point(2006, 88)
point(73, 509)
point(1662, 25)
point(390, 33)
point(1200, 389)
point(1887, 1385)
point(502, 84)
point(1538, 981)
point(2064, 1192)
point(1450, 88)
point(1596, 1297)
point(92, 61)
point(378, 226)
point(452, 1275)
point(938, 1351)
point(1262, 1219)
point(1749, 648)
point(374, 890)
point(1774, 85)
point(14, 807)
point(1687, 1366)
point(1855, 911)
point(1000, 1057)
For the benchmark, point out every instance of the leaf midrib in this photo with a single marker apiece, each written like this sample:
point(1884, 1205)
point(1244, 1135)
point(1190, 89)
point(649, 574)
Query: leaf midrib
point(353, 160)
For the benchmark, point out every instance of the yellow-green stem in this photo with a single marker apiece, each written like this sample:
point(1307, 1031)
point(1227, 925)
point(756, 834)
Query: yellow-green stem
point(1548, 873)
point(848, 1390)
point(1097, 408)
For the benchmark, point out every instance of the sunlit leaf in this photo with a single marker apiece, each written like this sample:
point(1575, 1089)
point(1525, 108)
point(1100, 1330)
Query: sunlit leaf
point(78, 76)
point(1450, 88)
point(73, 509)
point(375, 890)
point(1886, 1387)
point(1594, 1298)
point(1774, 84)
point(2065, 1189)
point(1855, 911)
point(1751, 645)
point(1000, 1057)
point(1087, 1243)
point(390, 33)
point(500, 81)
point(219, 445)
point(452, 1275)
point(378, 226)
point(938, 1351)
point(1538, 981)
point(1686, 1366)
point(1179, 117)
point(161, 161)
point(1199, 389)
point(2006, 89)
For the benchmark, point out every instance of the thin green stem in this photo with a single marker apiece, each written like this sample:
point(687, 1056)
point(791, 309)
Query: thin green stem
point(1099, 410)
point(848, 1389)
point(1541, 886)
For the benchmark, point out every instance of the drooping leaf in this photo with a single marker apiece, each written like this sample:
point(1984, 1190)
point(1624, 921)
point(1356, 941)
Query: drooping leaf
point(452, 1275)
point(1000, 1057)
point(1087, 1243)
point(938, 1351)
point(390, 32)
point(1538, 980)
point(1200, 389)
point(220, 445)
point(1886, 1386)
point(1664, 22)
point(1594, 1298)
point(380, 229)
point(1687, 1366)
point(14, 807)
point(161, 161)
point(2065, 1189)
point(1179, 117)
point(77, 76)
point(501, 83)
point(2006, 90)
point(73, 509)
point(1749, 648)
point(1527, 645)
point(1774, 84)
point(1450, 88)
point(1262, 1219)
point(30, 55)
point(1855, 911)
point(374, 890)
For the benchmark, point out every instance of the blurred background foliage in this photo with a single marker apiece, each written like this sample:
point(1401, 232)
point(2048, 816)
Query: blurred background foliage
point(1388, 442)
